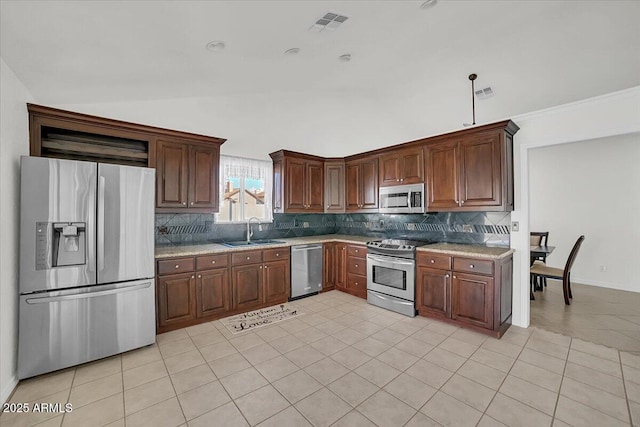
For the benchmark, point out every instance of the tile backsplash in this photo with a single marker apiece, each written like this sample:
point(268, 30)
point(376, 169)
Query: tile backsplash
point(483, 228)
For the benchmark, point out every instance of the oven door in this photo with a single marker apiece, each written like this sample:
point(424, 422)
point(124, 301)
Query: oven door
point(391, 276)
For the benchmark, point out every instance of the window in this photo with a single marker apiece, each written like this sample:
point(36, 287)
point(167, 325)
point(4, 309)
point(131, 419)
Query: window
point(246, 189)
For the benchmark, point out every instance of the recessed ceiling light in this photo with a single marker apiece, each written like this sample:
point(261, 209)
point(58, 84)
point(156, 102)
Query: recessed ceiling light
point(216, 46)
point(345, 58)
point(292, 51)
point(428, 4)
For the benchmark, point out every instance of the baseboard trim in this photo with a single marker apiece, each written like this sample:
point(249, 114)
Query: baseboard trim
point(618, 286)
point(8, 389)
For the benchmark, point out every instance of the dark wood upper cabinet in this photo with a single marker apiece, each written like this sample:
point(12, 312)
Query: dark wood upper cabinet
point(187, 163)
point(471, 173)
point(402, 166)
point(361, 187)
point(187, 176)
point(298, 182)
point(334, 183)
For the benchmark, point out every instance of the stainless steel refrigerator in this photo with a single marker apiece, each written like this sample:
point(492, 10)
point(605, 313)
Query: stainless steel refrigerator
point(86, 262)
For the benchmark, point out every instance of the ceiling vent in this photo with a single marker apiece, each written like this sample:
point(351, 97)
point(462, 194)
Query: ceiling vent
point(485, 93)
point(329, 21)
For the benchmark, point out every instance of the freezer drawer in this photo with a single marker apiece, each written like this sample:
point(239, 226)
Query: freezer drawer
point(66, 328)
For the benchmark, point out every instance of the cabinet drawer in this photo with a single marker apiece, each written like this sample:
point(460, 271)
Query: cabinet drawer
point(358, 251)
point(432, 260)
point(357, 266)
point(275, 254)
point(212, 261)
point(470, 265)
point(356, 282)
point(177, 265)
point(246, 257)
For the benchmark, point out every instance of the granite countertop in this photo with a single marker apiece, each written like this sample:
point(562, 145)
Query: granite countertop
point(475, 251)
point(213, 248)
point(446, 248)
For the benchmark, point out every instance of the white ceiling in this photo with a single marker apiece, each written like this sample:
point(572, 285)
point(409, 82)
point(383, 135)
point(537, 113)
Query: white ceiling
point(409, 62)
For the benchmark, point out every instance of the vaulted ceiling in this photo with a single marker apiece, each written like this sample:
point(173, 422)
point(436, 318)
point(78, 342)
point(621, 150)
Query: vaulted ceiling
point(408, 64)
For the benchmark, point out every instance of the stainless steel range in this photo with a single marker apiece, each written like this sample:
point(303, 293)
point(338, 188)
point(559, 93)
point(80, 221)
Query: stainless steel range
point(391, 272)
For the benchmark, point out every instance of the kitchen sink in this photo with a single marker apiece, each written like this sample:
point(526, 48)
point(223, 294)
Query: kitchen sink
point(239, 243)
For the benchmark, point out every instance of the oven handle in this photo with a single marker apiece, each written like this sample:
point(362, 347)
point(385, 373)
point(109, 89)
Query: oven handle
point(389, 260)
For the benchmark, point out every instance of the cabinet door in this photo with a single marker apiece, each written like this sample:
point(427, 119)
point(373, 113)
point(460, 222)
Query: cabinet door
point(328, 266)
point(213, 296)
point(472, 299)
point(334, 187)
point(295, 182)
point(203, 177)
point(352, 186)
point(480, 171)
point(276, 276)
point(390, 169)
point(442, 176)
point(411, 166)
point(433, 292)
point(246, 283)
point(315, 186)
point(176, 298)
point(171, 174)
point(340, 266)
point(369, 184)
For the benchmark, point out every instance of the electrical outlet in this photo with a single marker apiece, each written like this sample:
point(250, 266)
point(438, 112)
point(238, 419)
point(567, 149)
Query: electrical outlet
point(411, 226)
point(305, 225)
point(467, 228)
point(163, 230)
point(515, 226)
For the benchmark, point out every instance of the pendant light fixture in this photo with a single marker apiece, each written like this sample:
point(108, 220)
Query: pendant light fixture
point(472, 77)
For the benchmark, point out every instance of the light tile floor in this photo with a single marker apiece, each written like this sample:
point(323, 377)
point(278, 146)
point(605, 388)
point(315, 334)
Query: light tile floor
point(346, 363)
point(605, 316)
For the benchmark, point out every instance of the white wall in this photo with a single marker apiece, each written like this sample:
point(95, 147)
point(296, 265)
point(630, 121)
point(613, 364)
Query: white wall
point(613, 114)
point(14, 142)
point(332, 124)
point(591, 188)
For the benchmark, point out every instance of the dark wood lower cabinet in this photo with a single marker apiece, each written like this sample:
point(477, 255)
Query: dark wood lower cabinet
point(176, 299)
point(189, 291)
point(472, 299)
point(473, 293)
point(433, 293)
point(277, 282)
point(213, 293)
point(247, 286)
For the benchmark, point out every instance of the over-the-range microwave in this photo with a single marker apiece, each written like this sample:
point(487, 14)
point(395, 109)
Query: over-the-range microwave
point(402, 199)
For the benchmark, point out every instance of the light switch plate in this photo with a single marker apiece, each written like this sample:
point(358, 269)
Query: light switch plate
point(515, 226)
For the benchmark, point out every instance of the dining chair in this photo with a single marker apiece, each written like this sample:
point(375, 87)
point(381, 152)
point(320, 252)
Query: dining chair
point(541, 270)
point(539, 238)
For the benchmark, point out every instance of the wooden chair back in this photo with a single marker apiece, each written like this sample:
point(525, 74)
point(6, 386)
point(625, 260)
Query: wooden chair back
point(572, 256)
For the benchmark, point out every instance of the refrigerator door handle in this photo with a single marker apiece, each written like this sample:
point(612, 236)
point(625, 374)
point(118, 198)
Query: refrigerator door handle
point(84, 295)
point(100, 234)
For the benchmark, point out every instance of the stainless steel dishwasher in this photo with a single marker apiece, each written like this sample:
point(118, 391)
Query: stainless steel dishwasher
point(306, 270)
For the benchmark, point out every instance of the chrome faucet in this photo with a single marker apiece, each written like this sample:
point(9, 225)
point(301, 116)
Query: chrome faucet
point(249, 231)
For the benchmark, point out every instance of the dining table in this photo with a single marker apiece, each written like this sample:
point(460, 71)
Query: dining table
point(535, 253)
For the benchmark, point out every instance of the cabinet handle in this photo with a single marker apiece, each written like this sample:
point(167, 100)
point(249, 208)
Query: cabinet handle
point(184, 203)
point(461, 202)
point(433, 261)
point(199, 276)
point(265, 267)
point(177, 266)
point(397, 179)
point(356, 251)
point(213, 262)
point(356, 264)
point(278, 254)
point(193, 277)
point(454, 277)
point(191, 203)
point(401, 179)
point(447, 276)
point(260, 267)
point(472, 266)
point(248, 258)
